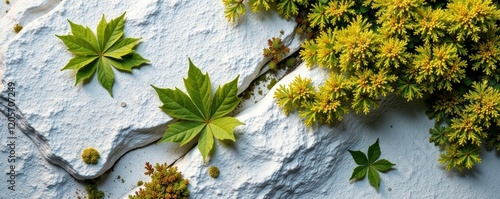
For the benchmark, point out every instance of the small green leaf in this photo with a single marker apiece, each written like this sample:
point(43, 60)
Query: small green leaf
point(359, 172)
point(79, 62)
point(122, 47)
point(85, 33)
point(373, 177)
point(225, 99)
point(205, 143)
point(105, 75)
point(85, 72)
point(199, 88)
point(128, 62)
point(373, 152)
point(183, 131)
point(100, 33)
point(178, 105)
point(222, 128)
point(113, 32)
point(359, 157)
point(382, 165)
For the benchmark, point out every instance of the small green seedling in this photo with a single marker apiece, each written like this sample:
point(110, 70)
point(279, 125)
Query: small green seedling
point(200, 111)
point(100, 54)
point(369, 164)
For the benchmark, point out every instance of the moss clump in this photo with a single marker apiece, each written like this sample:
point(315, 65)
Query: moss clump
point(272, 83)
point(18, 28)
point(7, 1)
point(140, 183)
point(93, 192)
point(166, 182)
point(213, 171)
point(90, 156)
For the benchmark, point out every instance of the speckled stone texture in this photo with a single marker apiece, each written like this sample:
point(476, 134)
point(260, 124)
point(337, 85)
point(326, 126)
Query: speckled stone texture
point(67, 119)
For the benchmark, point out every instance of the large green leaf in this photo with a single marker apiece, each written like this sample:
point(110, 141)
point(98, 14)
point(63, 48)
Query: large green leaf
point(205, 143)
point(194, 109)
point(183, 131)
point(178, 105)
point(200, 89)
point(222, 128)
point(225, 99)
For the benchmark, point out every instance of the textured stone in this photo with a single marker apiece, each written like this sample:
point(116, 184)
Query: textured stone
point(67, 119)
point(278, 157)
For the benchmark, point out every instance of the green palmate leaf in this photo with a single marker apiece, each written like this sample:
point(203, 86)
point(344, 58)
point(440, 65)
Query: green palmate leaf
point(182, 131)
point(205, 143)
point(373, 177)
point(178, 105)
point(199, 111)
point(369, 164)
point(199, 88)
point(359, 172)
point(108, 50)
point(373, 152)
point(359, 157)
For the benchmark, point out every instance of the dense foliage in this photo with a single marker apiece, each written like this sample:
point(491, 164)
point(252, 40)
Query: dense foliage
point(447, 50)
point(166, 183)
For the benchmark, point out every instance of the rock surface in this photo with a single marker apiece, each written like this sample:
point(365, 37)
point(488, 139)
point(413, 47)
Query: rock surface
point(278, 157)
point(66, 119)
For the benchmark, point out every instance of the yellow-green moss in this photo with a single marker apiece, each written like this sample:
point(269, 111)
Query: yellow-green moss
point(213, 171)
point(140, 183)
point(90, 156)
point(18, 28)
point(166, 182)
point(93, 192)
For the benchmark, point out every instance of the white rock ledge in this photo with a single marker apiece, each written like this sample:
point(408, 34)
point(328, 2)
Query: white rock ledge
point(62, 119)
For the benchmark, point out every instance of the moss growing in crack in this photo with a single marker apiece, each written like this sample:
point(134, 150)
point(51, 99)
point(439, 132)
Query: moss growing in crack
point(166, 182)
point(93, 192)
point(7, 2)
point(18, 28)
point(272, 83)
point(90, 156)
point(213, 171)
